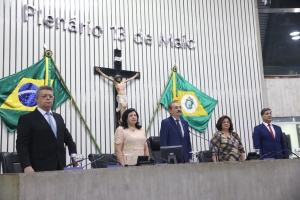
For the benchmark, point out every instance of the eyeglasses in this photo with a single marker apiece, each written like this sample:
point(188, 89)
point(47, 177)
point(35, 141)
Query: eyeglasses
point(45, 96)
point(226, 122)
point(177, 107)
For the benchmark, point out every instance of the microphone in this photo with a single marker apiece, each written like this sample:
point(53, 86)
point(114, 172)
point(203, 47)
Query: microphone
point(217, 156)
point(112, 159)
point(291, 152)
point(77, 161)
point(263, 156)
point(160, 159)
point(101, 156)
point(275, 153)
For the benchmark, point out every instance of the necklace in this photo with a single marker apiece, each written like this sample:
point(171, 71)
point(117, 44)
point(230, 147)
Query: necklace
point(226, 134)
point(133, 129)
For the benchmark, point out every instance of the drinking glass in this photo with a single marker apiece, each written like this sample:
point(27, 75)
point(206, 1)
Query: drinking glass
point(79, 157)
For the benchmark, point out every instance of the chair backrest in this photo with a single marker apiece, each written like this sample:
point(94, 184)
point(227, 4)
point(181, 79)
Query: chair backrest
point(102, 160)
point(154, 148)
point(205, 156)
point(10, 162)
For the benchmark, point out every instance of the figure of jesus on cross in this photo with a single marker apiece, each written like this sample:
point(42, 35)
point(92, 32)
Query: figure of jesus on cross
point(120, 88)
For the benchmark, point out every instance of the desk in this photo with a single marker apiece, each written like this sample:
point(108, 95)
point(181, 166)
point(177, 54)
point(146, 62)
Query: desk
point(259, 180)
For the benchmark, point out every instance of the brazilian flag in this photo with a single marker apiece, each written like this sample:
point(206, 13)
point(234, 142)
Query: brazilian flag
point(196, 106)
point(18, 91)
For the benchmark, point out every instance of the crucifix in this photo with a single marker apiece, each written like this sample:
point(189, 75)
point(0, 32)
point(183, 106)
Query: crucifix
point(117, 73)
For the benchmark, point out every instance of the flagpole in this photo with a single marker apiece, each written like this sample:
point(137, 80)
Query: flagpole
point(158, 104)
point(72, 100)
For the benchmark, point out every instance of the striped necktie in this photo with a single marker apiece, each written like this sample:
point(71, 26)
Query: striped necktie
point(179, 127)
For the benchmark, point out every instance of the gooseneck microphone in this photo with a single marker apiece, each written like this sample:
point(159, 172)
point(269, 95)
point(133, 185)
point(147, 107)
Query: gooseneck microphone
point(266, 154)
point(77, 161)
point(102, 156)
point(293, 153)
point(214, 144)
point(279, 152)
point(160, 159)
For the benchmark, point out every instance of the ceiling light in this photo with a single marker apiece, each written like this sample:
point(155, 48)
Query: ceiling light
point(294, 33)
point(296, 38)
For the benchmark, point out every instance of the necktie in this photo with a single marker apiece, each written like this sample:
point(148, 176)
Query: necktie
point(51, 123)
point(271, 131)
point(179, 127)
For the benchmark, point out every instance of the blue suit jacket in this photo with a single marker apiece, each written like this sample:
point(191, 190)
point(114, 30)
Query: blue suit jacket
point(263, 140)
point(170, 136)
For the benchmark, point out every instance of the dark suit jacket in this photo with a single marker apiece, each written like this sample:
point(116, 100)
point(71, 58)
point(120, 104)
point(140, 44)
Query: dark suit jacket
point(170, 136)
point(263, 140)
point(37, 145)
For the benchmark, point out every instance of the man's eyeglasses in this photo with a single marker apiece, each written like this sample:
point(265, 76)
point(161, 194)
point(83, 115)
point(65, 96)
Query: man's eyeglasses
point(177, 107)
point(45, 96)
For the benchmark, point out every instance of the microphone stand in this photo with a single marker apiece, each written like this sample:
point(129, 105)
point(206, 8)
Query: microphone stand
point(77, 161)
point(161, 159)
point(217, 155)
point(101, 156)
point(283, 154)
point(263, 156)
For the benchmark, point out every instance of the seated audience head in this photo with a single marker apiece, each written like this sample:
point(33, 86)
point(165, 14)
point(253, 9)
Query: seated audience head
point(224, 123)
point(130, 118)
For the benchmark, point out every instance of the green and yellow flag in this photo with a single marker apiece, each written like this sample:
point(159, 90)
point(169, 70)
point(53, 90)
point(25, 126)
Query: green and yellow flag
point(196, 106)
point(18, 91)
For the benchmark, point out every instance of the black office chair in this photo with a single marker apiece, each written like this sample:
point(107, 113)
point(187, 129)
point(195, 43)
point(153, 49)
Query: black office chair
point(154, 148)
point(103, 160)
point(10, 162)
point(205, 156)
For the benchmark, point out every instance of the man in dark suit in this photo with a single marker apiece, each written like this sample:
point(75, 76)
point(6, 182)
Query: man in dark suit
point(42, 135)
point(269, 138)
point(174, 131)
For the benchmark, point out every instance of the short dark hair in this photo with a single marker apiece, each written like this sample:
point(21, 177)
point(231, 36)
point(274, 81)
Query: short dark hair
point(220, 121)
point(262, 112)
point(170, 106)
point(43, 87)
point(125, 117)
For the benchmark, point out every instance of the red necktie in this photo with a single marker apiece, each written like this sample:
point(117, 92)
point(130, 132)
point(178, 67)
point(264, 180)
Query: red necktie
point(271, 131)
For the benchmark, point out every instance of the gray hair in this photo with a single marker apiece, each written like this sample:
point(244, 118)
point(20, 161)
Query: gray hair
point(170, 106)
point(44, 87)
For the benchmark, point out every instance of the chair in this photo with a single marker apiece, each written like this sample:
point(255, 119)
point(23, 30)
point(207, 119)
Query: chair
point(253, 156)
point(103, 160)
point(205, 156)
point(154, 148)
point(10, 162)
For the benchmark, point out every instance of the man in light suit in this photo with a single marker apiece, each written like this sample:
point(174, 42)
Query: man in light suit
point(269, 138)
point(172, 135)
point(40, 142)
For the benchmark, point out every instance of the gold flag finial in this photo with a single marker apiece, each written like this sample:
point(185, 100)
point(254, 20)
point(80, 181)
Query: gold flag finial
point(48, 53)
point(175, 69)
